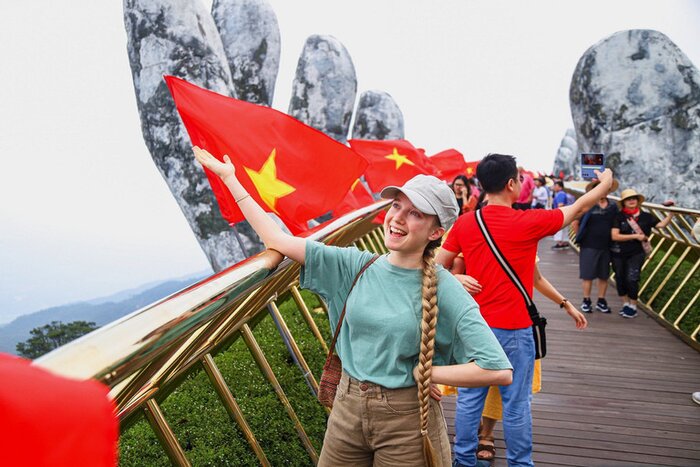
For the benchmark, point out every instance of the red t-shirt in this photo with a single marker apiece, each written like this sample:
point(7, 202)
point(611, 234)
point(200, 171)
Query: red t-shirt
point(516, 233)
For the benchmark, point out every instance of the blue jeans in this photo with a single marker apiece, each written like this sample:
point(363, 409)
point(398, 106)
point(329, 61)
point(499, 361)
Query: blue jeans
point(519, 346)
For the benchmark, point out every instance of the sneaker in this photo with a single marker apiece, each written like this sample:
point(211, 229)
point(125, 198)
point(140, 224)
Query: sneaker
point(696, 397)
point(628, 312)
point(602, 306)
point(586, 305)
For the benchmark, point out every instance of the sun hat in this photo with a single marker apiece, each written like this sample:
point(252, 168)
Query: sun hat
point(429, 195)
point(631, 193)
point(594, 183)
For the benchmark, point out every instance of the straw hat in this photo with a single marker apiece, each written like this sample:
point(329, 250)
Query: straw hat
point(631, 193)
point(594, 183)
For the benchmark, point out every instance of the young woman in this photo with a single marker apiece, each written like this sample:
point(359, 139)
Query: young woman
point(392, 333)
point(630, 234)
point(464, 193)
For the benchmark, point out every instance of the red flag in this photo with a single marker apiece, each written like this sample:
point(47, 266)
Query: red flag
point(471, 169)
point(289, 168)
point(391, 162)
point(450, 163)
point(51, 420)
point(358, 197)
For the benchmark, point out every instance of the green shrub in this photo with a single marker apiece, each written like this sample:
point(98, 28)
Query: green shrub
point(201, 423)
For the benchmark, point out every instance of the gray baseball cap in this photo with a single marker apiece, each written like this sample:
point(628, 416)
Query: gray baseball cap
point(430, 195)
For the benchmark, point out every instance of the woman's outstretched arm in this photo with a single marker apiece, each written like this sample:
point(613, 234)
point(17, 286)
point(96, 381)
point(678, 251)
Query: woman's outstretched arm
point(269, 232)
point(469, 375)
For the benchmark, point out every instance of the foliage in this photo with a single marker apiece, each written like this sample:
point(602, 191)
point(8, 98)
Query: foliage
point(683, 296)
point(50, 336)
point(203, 427)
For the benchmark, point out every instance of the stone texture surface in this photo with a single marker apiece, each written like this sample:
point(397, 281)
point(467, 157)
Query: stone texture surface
point(251, 40)
point(567, 158)
point(324, 89)
point(636, 97)
point(178, 37)
point(377, 117)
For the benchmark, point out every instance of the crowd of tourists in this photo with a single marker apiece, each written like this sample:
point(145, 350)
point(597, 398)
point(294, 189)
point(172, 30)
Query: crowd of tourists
point(453, 250)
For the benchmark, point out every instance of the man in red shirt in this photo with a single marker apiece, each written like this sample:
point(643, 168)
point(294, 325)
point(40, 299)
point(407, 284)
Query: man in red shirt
point(516, 233)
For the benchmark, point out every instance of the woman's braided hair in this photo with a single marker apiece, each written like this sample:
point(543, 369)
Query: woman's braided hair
point(427, 346)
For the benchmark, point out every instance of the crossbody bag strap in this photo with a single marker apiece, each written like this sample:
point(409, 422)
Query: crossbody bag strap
point(342, 314)
point(504, 264)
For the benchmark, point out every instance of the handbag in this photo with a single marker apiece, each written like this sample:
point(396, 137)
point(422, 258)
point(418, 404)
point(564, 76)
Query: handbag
point(646, 244)
point(538, 322)
point(333, 368)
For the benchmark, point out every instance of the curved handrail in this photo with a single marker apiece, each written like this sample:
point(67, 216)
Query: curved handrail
point(672, 265)
point(115, 351)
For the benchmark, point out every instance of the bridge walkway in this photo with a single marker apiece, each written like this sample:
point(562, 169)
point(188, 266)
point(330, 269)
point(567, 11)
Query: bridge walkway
point(616, 394)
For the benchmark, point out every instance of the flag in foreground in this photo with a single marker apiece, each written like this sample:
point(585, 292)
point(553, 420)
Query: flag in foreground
point(290, 169)
point(48, 420)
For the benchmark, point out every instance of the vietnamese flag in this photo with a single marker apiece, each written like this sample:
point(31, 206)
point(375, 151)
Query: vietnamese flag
point(471, 169)
point(48, 420)
point(289, 168)
point(358, 197)
point(450, 163)
point(391, 162)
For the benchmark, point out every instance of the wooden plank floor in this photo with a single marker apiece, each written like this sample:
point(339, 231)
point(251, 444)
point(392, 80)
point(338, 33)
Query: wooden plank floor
point(615, 394)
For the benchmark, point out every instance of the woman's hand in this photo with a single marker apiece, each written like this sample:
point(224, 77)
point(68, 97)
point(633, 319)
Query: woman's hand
point(469, 283)
point(640, 237)
point(222, 169)
point(576, 315)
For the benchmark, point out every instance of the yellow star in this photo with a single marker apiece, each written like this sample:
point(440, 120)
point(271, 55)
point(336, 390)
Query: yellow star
point(469, 170)
point(400, 159)
point(269, 187)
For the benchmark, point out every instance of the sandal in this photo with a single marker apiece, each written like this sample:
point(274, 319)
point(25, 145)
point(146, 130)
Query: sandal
point(486, 452)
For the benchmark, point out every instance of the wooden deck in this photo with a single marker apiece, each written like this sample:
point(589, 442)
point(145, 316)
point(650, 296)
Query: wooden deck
point(616, 394)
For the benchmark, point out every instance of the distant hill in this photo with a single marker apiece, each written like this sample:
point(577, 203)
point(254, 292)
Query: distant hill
point(101, 310)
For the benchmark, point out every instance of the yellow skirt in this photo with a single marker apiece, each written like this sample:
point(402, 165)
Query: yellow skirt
point(493, 407)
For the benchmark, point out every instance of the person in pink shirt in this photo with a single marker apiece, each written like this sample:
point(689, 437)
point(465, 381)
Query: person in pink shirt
point(528, 185)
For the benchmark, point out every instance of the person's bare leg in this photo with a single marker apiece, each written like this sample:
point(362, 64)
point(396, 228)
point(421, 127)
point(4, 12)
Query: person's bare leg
point(486, 437)
point(602, 288)
point(587, 286)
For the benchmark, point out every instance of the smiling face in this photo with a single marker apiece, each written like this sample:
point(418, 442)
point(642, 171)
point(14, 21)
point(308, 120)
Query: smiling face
point(408, 230)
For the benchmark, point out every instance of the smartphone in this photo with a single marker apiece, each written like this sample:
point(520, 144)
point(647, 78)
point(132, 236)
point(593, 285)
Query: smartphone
point(591, 161)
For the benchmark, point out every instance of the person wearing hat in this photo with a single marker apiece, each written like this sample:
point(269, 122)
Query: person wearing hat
point(393, 343)
point(630, 234)
point(593, 237)
point(516, 234)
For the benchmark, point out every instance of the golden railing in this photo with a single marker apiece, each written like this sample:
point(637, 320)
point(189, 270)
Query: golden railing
point(142, 357)
point(670, 284)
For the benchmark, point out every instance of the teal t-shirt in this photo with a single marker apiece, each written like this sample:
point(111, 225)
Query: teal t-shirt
point(379, 341)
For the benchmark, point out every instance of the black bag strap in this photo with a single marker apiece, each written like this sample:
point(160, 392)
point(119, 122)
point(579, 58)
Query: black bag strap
point(532, 310)
point(342, 314)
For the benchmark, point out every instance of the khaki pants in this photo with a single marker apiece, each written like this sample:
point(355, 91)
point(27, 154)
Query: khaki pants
point(374, 426)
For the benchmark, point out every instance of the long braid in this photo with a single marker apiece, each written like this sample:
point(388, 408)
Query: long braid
point(427, 347)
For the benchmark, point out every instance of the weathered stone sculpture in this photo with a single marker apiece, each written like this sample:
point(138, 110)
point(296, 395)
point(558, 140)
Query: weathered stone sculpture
point(179, 37)
point(567, 159)
point(636, 97)
point(324, 89)
point(377, 117)
point(251, 39)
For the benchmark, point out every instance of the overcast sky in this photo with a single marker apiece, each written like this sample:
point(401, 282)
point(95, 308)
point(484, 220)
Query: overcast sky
point(84, 211)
